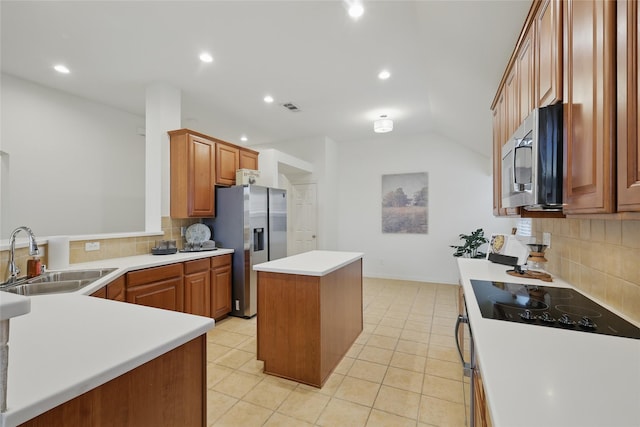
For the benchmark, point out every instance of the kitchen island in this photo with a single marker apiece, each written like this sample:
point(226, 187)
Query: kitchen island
point(542, 376)
point(309, 313)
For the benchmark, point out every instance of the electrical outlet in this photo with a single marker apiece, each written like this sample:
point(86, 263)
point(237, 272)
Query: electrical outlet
point(546, 239)
point(92, 246)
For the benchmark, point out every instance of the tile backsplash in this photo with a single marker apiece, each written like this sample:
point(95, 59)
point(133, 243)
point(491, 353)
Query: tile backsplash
point(600, 257)
point(109, 248)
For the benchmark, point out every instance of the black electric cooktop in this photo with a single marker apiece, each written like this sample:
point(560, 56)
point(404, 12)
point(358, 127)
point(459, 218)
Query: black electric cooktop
point(548, 306)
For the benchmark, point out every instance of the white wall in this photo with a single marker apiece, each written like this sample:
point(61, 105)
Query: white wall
point(460, 201)
point(75, 166)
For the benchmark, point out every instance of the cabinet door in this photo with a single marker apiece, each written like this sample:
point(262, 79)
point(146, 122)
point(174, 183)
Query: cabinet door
point(525, 76)
point(628, 113)
point(192, 175)
point(161, 287)
point(220, 286)
point(548, 43)
point(227, 163)
point(589, 93)
point(481, 410)
point(116, 289)
point(197, 287)
point(512, 103)
point(248, 160)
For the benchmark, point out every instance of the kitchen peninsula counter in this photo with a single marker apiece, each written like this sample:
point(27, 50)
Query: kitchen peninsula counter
point(309, 313)
point(535, 375)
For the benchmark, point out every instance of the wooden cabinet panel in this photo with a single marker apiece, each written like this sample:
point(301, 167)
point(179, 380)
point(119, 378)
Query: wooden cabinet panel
point(192, 175)
point(548, 53)
point(628, 102)
point(248, 159)
point(220, 286)
point(197, 287)
point(512, 103)
point(589, 94)
point(167, 391)
point(116, 289)
point(525, 70)
point(161, 287)
point(227, 163)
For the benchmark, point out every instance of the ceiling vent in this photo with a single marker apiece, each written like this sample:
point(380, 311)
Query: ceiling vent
point(291, 107)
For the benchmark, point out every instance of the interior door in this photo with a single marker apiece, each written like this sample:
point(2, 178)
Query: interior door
point(304, 218)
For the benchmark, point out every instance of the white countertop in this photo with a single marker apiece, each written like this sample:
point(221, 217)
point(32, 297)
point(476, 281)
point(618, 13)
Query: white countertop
point(312, 263)
point(13, 305)
point(540, 376)
point(70, 343)
point(137, 262)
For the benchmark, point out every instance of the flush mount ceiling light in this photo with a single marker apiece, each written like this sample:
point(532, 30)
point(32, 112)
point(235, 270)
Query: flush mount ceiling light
point(383, 124)
point(243, 138)
point(62, 69)
point(268, 99)
point(384, 75)
point(355, 10)
point(206, 57)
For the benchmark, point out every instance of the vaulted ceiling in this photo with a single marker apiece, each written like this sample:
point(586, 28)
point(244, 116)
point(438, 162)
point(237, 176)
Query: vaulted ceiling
point(446, 59)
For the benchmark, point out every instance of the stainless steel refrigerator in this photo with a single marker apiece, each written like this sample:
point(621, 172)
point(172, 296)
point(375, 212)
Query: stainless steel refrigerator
point(252, 220)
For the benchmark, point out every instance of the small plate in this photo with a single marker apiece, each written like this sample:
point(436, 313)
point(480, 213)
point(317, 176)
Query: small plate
point(197, 233)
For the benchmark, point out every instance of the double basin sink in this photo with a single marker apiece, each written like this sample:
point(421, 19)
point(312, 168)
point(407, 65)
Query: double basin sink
point(54, 282)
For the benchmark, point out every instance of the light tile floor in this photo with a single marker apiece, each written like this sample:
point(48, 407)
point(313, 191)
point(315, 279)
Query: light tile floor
point(403, 369)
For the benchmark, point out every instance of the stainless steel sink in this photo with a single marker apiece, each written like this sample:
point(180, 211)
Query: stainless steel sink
point(55, 282)
point(61, 276)
point(49, 287)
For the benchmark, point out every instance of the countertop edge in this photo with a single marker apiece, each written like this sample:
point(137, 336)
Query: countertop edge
point(312, 263)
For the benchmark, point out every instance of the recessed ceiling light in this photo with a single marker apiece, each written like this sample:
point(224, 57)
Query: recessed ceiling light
point(243, 138)
point(61, 69)
point(268, 99)
point(206, 57)
point(356, 10)
point(383, 124)
point(384, 75)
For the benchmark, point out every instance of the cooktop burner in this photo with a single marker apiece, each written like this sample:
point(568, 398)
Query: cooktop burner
point(548, 306)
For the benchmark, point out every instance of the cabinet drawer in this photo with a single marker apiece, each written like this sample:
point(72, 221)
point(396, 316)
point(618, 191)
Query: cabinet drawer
point(220, 260)
point(155, 274)
point(196, 266)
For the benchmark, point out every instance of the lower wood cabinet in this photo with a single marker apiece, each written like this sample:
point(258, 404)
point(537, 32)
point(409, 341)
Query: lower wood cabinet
point(167, 391)
point(114, 290)
point(480, 408)
point(160, 287)
point(197, 287)
point(220, 286)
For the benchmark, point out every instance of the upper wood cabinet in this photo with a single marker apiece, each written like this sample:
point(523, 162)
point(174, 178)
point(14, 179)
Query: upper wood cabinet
point(589, 96)
point(548, 53)
point(512, 102)
point(628, 101)
point(192, 162)
point(227, 163)
point(525, 72)
point(198, 163)
point(248, 159)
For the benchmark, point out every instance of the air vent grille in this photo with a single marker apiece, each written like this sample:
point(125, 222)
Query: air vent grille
point(291, 107)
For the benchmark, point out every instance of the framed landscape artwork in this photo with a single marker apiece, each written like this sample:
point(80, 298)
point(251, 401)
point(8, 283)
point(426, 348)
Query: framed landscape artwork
point(404, 203)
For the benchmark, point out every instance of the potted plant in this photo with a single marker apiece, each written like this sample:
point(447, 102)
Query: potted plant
point(471, 244)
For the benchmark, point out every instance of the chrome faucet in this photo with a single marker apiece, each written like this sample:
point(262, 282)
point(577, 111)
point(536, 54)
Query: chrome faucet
point(33, 250)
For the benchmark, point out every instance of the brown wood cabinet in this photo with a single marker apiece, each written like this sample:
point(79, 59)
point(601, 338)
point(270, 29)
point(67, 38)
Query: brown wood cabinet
point(589, 96)
point(160, 287)
point(248, 159)
point(482, 417)
point(227, 163)
point(114, 290)
point(628, 118)
point(167, 391)
point(548, 53)
point(512, 102)
point(525, 72)
point(220, 286)
point(308, 323)
point(197, 287)
point(193, 166)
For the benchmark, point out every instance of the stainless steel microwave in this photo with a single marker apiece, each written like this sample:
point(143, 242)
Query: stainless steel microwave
point(532, 162)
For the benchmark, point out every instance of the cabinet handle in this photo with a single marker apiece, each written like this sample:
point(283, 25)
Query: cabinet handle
point(466, 366)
